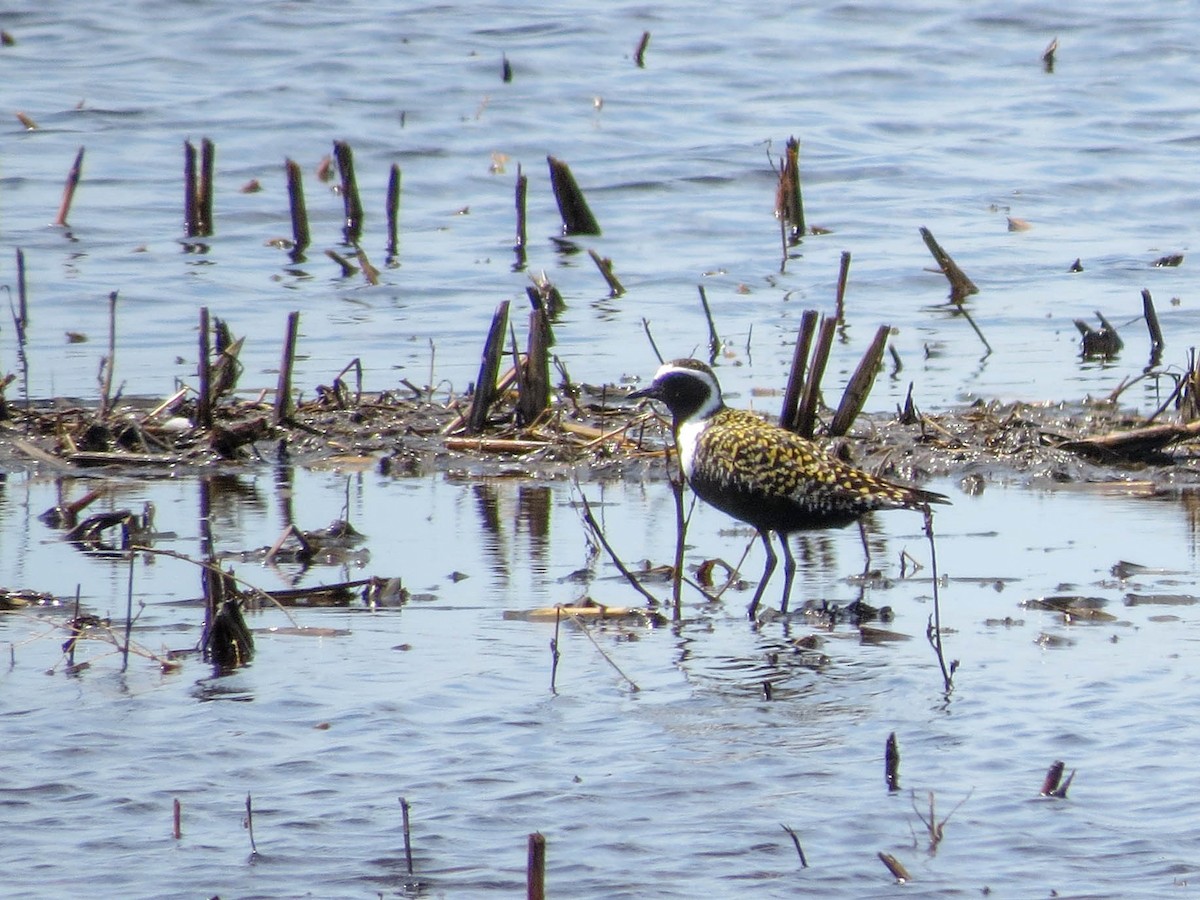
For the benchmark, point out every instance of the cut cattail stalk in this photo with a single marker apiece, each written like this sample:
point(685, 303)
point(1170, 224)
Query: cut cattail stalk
point(577, 218)
point(352, 229)
point(283, 392)
point(393, 212)
point(789, 203)
point(204, 199)
point(1048, 56)
point(521, 192)
point(191, 215)
point(891, 763)
point(1156, 335)
point(408, 859)
point(961, 286)
point(605, 265)
point(843, 277)
point(535, 868)
point(1053, 777)
point(795, 383)
point(534, 394)
point(300, 233)
point(204, 417)
point(506, 73)
point(806, 413)
point(895, 867)
point(859, 386)
point(348, 268)
point(64, 208)
point(489, 368)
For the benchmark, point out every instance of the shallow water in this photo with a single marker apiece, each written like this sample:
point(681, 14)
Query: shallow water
point(933, 114)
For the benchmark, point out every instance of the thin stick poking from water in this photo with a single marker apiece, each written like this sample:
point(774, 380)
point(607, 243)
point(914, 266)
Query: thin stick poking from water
point(250, 826)
point(64, 208)
point(843, 277)
point(714, 340)
point(352, 204)
point(554, 652)
point(639, 55)
point(204, 199)
point(106, 398)
point(128, 614)
point(590, 521)
point(1156, 336)
point(522, 191)
point(204, 417)
point(935, 629)
point(177, 819)
point(650, 338)
point(891, 763)
point(191, 217)
point(407, 835)
point(796, 840)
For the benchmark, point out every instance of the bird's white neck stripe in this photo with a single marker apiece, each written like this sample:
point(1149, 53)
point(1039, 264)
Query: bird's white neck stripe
point(685, 441)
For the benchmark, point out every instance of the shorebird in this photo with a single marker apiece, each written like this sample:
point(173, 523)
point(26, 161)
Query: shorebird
point(766, 476)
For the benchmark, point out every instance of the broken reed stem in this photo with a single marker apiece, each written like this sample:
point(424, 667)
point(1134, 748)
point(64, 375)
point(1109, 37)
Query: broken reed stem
point(295, 187)
point(250, 825)
point(191, 217)
point(891, 763)
point(283, 390)
point(796, 840)
point(605, 265)
point(843, 278)
point(590, 521)
point(791, 202)
point(351, 204)
point(20, 324)
point(407, 835)
point(535, 867)
point(1156, 331)
point(522, 190)
point(936, 630)
point(806, 413)
point(534, 391)
point(204, 416)
point(554, 653)
point(393, 212)
point(895, 867)
point(489, 368)
point(795, 383)
point(639, 55)
point(106, 390)
point(859, 386)
point(967, 315)
point(577, 218)
point(961, 286)
point(714, 340)
point(128, 613)
point(73, 176)
point(204, 200)
point(1053, 785)
point(176, 819)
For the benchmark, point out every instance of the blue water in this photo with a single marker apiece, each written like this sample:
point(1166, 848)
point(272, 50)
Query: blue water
point(933, 114)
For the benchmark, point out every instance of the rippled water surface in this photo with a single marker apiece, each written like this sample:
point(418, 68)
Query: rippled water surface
point(931, 114)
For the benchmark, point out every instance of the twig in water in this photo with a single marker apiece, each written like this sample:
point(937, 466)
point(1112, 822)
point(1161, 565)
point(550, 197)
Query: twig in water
point(796, 841)
point(249, 823)
point(407, 835)
point(650, 338)
point(64, 208)
point(582, 626)
point(714, 340)
point(961, 286)
point(535, 867)
point(590, 521)
point(1048, 56)
point(554, 653)
point(639, 55)
point(176, 820)
point(128, 615)
point(934, 631)
point(895, 867)
point(789, 202)
point(936, 829)
point(605, 265)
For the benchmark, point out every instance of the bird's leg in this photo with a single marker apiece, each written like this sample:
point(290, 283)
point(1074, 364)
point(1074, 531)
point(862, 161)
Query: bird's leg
point(766, 575)
point(789, 570)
